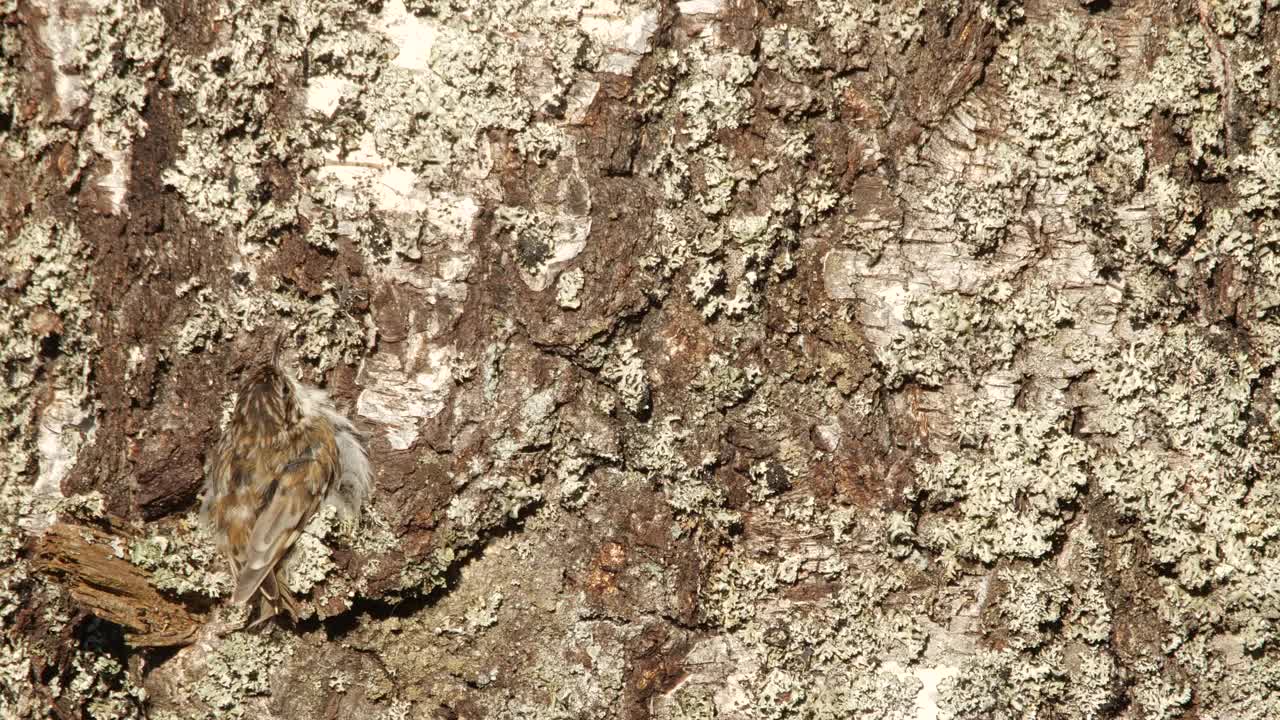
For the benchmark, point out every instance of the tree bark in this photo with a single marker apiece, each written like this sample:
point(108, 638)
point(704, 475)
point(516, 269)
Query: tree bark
point(719, 358)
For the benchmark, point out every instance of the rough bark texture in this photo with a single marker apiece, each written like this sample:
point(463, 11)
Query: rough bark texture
point(720, 358)
point(88, 562)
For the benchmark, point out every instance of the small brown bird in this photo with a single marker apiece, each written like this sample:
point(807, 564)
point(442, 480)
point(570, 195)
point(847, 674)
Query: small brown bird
point(285, 451)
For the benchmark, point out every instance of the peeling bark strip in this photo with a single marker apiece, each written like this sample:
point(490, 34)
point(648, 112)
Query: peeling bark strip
point(83, 560)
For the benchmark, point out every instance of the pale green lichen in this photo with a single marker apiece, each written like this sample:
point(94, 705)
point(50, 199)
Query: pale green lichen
point(1179, 387)
point(1079, 135)
point(705, 283)
point(1011, 477)
point(102, 686)
point(11, 48)
point(789, 50)
point(542, 141)
point(1032, 605)
point(847, 25)
point(827, 657)
point(1160, 697)
point(541, 240)
point(870, 695)
point(182, 559)
point(340, 681)
point(712, 94)
point(15, 655)
point(374, 540)
point(730, 264)
point(576, 487)
point(231, 140)
point(310, 562)
point(473, 87)
point(240, 667)
point(1007, 485)
point(121, 34)
point(951, 335)
point(724, 385)
point(626, 372)
point(1236, 17)
point(89, 506)
point(902, 22)
point(568, 288)
point(566, 691)
point(53, 304)
point(484, 614)
point(15, 672)
point(323, 331)
point(1089, 616)
point(732, 596)
point(208, 325)
point(429, 573)
point(46, 322)
point(1002, 684)
point(689, 486)
point(1258, 186)
point(980, 211)
point(95, 681)
point(720, 182)
point(1169, 434)
point(532, 236)
point(398, 710)
point(1182, 84)
point(464, 510)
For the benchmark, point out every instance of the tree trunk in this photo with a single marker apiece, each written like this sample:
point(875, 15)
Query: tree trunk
point(719, 358)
